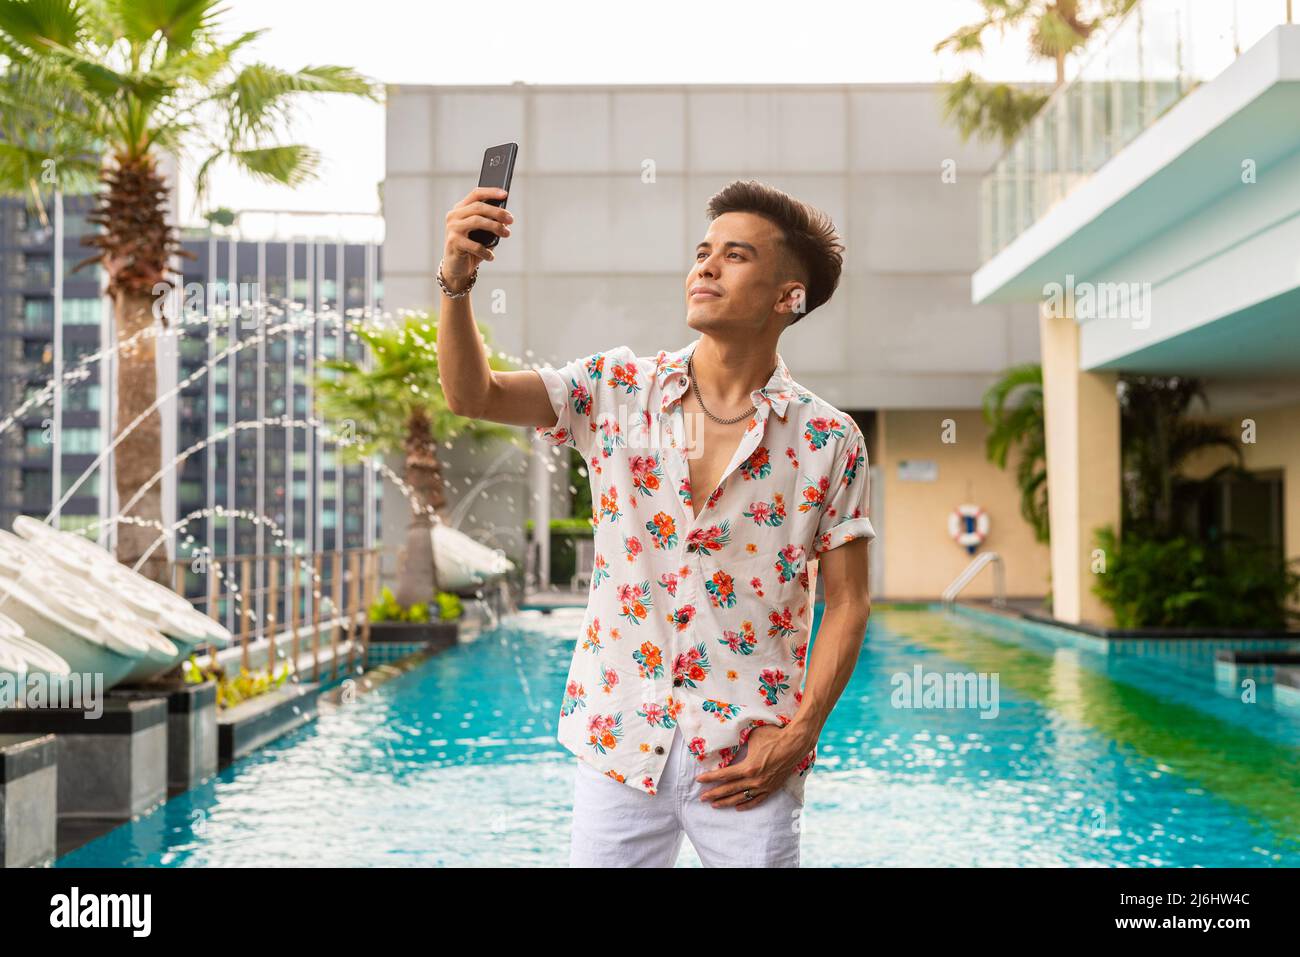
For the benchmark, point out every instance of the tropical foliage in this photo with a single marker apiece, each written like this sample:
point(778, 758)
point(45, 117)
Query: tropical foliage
point(232, 690)
point(1057, 30)
point(395, 403)
point(1156, 575)
point(1159, 437)
point(388, 608)
point(1180, 583)
point(1013, 410)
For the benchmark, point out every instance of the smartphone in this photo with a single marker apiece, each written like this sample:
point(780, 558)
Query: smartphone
point(498, 168)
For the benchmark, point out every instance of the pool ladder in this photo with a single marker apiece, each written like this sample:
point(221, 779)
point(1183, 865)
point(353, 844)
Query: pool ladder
point(974, 568)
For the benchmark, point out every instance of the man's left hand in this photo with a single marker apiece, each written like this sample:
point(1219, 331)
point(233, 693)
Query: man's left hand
point(771, 756)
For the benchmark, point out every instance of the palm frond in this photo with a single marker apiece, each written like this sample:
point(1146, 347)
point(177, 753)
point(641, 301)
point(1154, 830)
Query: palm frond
point(177, 22)
point(259, 96)
point(39, 26)
point(989, 110)
point(291, 164)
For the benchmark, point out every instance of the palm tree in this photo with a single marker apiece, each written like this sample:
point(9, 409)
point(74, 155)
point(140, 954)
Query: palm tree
point(1057, 29)
point(1021, 426)
point(395, 404)
point(1157, 438)
point(104, 88)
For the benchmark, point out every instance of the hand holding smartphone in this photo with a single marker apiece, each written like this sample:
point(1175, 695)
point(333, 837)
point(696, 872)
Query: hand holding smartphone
point(498, 168)
point(476, 224)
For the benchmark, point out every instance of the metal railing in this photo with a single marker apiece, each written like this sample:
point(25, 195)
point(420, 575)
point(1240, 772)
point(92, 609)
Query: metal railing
point(1129, 77)
point(320, 587)
point(974, 568)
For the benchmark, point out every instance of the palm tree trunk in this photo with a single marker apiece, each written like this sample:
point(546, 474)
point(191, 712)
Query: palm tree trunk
point(417, 579)
point(139, 455)
point(135, 249)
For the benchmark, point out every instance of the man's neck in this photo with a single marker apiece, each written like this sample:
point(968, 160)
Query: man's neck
point(727, 372)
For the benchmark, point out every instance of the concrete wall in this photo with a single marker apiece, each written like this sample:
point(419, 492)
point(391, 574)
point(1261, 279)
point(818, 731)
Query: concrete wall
point(598, 254)
point(598, 257)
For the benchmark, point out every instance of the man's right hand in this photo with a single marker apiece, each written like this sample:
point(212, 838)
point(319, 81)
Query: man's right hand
point(460, 254)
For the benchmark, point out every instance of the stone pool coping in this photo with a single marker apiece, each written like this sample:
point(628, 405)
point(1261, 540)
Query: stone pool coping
point(1203, 646)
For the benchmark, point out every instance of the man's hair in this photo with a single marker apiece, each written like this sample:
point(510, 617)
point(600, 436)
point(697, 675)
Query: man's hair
point(808, 234)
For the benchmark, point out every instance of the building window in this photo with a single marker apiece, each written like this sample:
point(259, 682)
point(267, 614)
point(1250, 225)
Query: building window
point(38, 313)
point(75, 224)
point(75, 523)
point(83, 312)
point(36, 269)
point(194, 350)
point(81, 398)
point(80, 441)
point(90, 487)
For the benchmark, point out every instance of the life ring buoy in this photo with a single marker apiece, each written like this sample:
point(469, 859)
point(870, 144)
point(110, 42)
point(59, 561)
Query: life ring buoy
point(968, 525)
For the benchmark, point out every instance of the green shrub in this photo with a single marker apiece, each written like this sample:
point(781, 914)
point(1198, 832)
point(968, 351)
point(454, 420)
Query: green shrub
point(233, 690)
point(388, 608)
point(1185, 584)
point(449, 606)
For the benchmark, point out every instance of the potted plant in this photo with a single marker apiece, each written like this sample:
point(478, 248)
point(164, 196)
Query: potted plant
point(235, 689)
point(436, 624)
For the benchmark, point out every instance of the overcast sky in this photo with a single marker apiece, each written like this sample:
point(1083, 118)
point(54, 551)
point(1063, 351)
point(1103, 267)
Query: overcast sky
point(668, 41)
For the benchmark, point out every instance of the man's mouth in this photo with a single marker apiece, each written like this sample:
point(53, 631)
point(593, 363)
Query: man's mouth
point(699, 292)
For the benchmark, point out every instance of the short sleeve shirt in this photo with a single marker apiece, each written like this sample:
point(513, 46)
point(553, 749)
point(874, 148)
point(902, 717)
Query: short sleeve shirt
point(698, 623)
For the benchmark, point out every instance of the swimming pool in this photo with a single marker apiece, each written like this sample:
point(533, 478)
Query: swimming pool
point(1090, 761)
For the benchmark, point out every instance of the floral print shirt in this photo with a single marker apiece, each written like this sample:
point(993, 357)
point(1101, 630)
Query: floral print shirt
point(698, 623)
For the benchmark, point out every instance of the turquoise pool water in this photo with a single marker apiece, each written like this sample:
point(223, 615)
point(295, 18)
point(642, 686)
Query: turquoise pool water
point(1090, 761)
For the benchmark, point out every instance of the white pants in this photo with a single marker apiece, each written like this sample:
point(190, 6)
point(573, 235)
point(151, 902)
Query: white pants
point(615, 825)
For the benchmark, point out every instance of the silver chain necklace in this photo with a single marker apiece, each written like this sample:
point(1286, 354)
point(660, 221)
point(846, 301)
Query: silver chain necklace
point(696, 387)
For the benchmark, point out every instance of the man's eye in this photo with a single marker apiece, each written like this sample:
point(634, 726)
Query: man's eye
point(737, 255)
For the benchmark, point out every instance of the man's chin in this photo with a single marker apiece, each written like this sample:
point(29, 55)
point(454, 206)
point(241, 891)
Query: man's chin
point(699, 320)
point(701, 314)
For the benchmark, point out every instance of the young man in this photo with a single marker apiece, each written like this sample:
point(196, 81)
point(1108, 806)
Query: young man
point(720, 485)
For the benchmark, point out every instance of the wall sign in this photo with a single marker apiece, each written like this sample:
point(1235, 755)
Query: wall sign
point(918, 470)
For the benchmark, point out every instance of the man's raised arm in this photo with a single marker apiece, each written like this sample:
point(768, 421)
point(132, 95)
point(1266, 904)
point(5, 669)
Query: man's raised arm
point(471, 387)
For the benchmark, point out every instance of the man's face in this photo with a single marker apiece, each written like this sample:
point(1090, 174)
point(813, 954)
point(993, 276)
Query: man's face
point(741, 276)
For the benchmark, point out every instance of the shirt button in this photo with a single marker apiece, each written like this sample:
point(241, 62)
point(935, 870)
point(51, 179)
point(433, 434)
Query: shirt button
point(659, 749)
point(679, 681)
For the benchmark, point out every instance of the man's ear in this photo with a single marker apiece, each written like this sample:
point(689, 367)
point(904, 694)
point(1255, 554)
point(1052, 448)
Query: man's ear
point(793, 301)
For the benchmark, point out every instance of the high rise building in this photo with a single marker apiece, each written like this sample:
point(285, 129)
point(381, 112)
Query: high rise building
point(219, 452)
point(33, 454)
